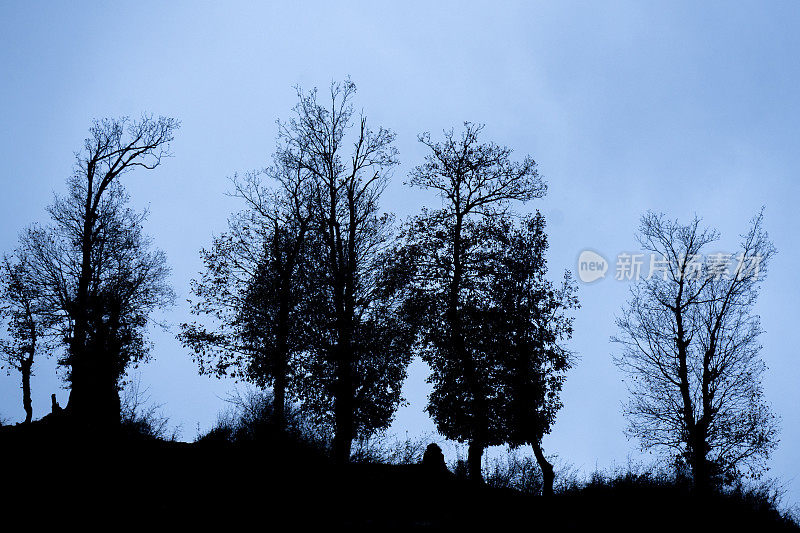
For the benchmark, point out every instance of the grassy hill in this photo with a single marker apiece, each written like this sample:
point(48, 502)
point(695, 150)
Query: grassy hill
point(255, 475)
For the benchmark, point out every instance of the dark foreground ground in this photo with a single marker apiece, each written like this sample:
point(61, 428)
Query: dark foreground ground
point(54, 474)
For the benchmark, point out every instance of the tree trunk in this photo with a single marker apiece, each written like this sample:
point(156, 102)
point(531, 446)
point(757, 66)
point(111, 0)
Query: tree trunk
point(700, 471)
point(281, 363)
point(279, 396)
point(94, 398)
point(25, 370)
point(477, 405)
point(474, 455)
point(77, 347)
point(343, 403)
point(279, 378)
point(548, 475)
point(343, 438)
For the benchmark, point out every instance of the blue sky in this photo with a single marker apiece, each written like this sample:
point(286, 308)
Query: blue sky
point(626, 106)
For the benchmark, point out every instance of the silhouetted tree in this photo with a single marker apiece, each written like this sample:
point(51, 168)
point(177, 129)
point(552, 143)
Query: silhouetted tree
point(476, 182)
point(27, 321)
point(94, 267)
point(529, 324)
point(356, 363)
point(689, 340)
point(255, 284)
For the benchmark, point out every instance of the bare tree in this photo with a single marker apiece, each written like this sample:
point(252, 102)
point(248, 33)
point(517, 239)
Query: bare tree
point(689, 341)
point(93, 266)
point(476, 181)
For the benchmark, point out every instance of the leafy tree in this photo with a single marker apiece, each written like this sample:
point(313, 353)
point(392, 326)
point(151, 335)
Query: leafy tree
point(476, 181)
point(529, 324)
point(95, 269)
point(254, 286)
point(689, 340)
point(292, 294)
point(27, 322)
point(359, 351)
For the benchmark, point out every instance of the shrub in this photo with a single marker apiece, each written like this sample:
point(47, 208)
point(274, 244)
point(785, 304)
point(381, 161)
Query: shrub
point(388, 449)
point(250, 421)
point(140, 417)
point(514, 472)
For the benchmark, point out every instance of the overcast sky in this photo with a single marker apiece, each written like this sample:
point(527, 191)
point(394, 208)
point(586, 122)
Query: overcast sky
point(625, 106)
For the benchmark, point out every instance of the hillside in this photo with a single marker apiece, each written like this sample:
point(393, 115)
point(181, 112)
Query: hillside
point(52, 471)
